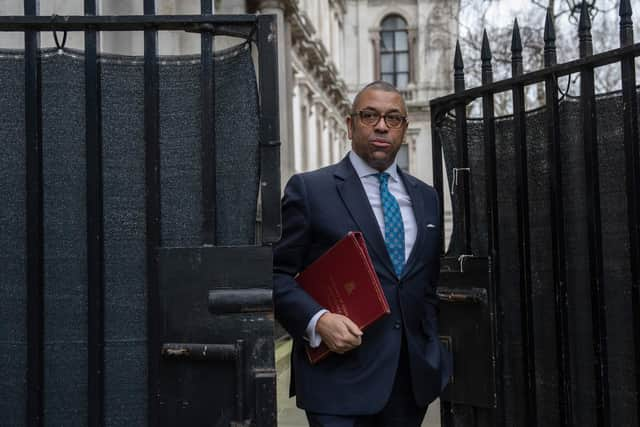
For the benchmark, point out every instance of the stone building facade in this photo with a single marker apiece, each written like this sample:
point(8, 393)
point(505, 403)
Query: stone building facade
point(331, 48)
point(328, 49)
point(411, 44)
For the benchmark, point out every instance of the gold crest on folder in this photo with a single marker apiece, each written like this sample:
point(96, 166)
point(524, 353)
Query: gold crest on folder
point(349, 287)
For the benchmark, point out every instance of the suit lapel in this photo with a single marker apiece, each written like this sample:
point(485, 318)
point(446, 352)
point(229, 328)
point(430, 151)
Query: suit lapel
point(417, 202)
point(355, 199)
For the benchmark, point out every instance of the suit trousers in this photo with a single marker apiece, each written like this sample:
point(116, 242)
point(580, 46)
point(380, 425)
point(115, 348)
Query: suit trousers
point(401, 409)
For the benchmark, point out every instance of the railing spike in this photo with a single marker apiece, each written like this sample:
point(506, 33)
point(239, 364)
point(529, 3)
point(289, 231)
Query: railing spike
point(626, 24)
point(458, 69)
point(584, 31)
point(585, 19)
point(516, 50)
point(625, 8)
point(549, 40)
point(485, 56)
point(516, 41)
point(549, 30)
point(457, 61)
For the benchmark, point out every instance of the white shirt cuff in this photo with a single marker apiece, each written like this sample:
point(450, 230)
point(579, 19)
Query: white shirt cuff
point(311, 335)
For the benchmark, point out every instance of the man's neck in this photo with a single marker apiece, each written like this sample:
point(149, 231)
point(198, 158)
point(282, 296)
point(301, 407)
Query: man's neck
point(363, 169)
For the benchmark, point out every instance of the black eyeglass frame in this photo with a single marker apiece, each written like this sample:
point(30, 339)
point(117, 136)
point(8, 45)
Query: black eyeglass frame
point(380, 116)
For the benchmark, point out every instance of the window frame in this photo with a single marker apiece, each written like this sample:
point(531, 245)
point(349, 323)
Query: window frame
point(394, 51)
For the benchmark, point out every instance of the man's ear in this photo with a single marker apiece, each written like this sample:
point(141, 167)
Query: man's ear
point(349, 121)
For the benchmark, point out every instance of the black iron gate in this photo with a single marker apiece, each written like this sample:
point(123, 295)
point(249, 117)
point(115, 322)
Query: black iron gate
point(136, 277)
point(541, 281)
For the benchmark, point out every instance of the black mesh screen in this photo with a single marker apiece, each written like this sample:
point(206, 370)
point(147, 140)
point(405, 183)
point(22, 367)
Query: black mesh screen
point(65, 219)
point(13, 292)
point(615, 239)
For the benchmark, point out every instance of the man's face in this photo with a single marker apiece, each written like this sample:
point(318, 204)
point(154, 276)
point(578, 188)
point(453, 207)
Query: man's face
point(377, 145)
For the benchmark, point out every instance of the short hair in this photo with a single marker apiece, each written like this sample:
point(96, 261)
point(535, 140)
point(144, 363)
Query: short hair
point(377, 85)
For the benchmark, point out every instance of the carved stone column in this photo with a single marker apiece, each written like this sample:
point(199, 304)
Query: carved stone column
point(374, 36)
point(320, 140)
point(305, 118)
point(326, 139)
point(412, 36)
point(297, 127)
point(313, 140)
point(333, 152)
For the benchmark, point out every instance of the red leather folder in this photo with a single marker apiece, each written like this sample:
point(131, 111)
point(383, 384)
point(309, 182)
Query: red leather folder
point(344, 281)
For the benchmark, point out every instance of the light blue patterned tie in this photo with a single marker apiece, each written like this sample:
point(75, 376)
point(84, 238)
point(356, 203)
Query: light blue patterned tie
point(393, 226)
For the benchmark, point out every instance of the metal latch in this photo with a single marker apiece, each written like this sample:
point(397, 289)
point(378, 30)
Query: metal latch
point(456, 178)
point(215, 352)
point(193, 351)
point(471, 295)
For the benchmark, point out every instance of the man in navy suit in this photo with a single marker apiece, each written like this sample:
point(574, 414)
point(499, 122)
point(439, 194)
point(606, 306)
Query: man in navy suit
point(389, 373)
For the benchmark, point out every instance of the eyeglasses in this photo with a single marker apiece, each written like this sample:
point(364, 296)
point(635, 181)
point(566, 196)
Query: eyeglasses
point(372, 118)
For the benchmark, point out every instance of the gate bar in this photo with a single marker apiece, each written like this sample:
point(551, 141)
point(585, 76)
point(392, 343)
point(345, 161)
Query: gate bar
point(446, 412)
point(269, 128)
point(153, 206)
point(524, 240)
point(436, 160)
point(493, 221)
point(463, 173)
point(594, 222)
point(557, 227)
point(128, 22)
point(557, 70)
point(239, 365)
point(95, 231)
point(632, 167)
point(34, 224)
point(208, 131)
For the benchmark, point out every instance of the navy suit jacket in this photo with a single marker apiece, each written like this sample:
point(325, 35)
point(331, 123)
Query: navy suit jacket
point(318, 209)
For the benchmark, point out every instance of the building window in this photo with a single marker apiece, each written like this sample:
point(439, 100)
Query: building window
point(394, 51)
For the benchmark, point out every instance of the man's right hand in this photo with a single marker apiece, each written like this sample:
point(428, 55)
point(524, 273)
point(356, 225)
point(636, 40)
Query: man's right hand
point(338, 332)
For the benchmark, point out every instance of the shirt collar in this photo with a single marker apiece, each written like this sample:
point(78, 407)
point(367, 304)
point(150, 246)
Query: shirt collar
point(363, 169)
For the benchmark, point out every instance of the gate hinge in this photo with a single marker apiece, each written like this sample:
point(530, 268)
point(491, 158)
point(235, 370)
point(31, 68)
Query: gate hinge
point(252, 300)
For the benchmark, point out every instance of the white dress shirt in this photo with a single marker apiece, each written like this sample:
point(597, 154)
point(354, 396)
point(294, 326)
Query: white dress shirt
point(371, 185)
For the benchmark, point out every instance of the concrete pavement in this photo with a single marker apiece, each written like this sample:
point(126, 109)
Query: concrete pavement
point(290, 416)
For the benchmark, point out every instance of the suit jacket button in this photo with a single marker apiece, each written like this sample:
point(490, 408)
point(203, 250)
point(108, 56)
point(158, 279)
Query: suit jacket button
point(397, 325)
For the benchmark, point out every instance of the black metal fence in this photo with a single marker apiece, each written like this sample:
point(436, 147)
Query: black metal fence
point(259, 30)
point(552, 198)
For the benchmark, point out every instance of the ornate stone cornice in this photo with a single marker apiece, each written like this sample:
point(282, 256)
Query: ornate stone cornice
point(301, 26)
point(310, 49)
point(285, 5)
point(291, 6)
point(316, 60)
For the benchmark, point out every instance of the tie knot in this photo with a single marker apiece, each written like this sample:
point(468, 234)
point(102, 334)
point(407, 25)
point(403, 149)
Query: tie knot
point(383, 177)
